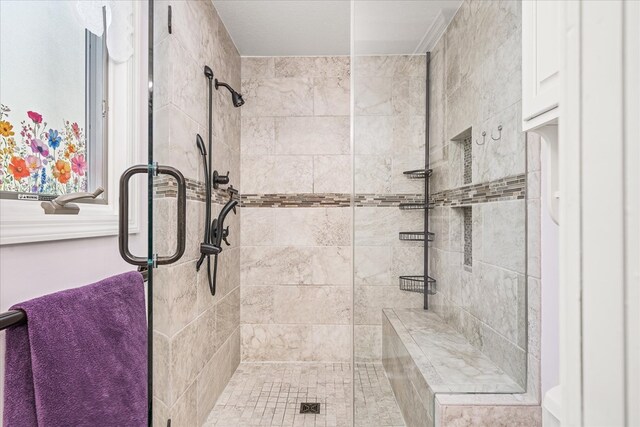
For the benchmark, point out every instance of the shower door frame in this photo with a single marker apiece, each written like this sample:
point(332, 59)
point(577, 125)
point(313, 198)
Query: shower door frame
point(150, 217)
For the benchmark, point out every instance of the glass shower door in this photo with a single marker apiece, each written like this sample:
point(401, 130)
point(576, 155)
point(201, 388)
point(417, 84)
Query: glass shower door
point(175, 219)
point(166, 220)
point(440, 216)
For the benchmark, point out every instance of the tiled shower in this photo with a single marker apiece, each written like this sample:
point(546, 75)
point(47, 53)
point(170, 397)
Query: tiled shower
point(309, 307)
point(327, 213)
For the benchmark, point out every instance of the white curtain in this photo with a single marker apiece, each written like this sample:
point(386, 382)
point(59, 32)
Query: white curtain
point(119, 24)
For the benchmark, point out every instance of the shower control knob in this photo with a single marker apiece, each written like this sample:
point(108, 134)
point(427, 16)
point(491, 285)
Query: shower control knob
point(225, 234)
point(220, 179)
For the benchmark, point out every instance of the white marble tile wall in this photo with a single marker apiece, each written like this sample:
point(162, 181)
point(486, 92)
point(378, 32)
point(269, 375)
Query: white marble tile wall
point(296, 139)
point(389, 122)
point(476, 84)
point(413, 394)
point(196, 336)
point(296, 284)
point(389, 128)
point(482, 415)
point(296, 262)
point(295, 125)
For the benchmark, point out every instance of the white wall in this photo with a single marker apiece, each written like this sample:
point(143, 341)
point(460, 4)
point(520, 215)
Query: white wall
point(31, 270)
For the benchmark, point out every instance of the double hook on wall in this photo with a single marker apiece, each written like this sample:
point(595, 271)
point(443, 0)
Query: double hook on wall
point(484, 136)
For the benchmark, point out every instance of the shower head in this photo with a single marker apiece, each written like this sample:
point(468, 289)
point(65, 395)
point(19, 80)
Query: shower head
point(238, 101)
point(236, 98)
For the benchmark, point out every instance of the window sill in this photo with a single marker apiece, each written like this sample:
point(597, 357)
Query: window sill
point(26, 222)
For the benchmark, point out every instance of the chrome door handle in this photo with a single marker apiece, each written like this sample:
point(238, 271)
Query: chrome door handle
point(123, 235)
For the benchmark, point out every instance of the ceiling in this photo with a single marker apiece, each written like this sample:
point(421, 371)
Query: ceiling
point(322, 27)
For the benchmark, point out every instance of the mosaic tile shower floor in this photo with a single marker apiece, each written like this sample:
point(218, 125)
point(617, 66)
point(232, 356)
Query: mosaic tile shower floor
point(270, 394)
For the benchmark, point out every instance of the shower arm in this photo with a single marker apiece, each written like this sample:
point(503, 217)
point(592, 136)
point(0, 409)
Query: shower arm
point(218, 84)
point(236, 97)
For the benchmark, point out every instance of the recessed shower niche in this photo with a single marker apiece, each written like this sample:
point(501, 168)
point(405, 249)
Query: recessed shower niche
point(465, 141)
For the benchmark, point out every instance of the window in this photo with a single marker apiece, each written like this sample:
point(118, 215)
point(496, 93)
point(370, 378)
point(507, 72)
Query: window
point(52, 106)
point(55, 72)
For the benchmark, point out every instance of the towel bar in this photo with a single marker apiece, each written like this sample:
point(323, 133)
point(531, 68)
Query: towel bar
point(12, 317)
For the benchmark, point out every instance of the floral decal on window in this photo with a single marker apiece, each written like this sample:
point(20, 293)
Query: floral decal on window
point(37, 158)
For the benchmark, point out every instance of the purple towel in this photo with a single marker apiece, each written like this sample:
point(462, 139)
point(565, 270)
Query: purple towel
point(81, 359)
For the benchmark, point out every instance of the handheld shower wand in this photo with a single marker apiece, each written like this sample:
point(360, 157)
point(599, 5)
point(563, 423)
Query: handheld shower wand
point(206, 248)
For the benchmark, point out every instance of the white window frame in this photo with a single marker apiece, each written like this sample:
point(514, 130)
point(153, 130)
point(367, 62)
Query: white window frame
point(25, 221)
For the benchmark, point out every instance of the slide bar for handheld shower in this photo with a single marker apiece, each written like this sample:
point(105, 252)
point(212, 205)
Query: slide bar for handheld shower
point(214, 232)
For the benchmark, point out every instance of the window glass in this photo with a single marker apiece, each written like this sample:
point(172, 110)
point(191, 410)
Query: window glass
point(51, 139)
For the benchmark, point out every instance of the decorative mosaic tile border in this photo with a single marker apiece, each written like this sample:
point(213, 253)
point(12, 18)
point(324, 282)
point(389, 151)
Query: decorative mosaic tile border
point(301, 200)
point(386, 200)
point(295, 200)
point(510, 188)
point(164, 186)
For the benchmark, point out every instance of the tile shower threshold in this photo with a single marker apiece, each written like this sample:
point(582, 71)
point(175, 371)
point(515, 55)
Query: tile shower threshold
point(444, 357)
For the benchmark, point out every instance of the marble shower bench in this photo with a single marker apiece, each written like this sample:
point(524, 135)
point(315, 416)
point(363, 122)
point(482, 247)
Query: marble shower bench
point(435, 372)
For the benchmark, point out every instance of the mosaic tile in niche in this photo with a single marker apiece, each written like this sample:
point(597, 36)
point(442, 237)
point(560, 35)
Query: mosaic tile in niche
point(468, 160)
point(468, 237)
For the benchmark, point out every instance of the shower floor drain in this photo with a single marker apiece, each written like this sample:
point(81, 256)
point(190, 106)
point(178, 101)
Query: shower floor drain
point(310, 408)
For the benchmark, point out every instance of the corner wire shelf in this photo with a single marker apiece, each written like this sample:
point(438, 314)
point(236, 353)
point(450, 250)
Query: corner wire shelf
point(417, 284)
point(418, 173)
point(415, 236)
